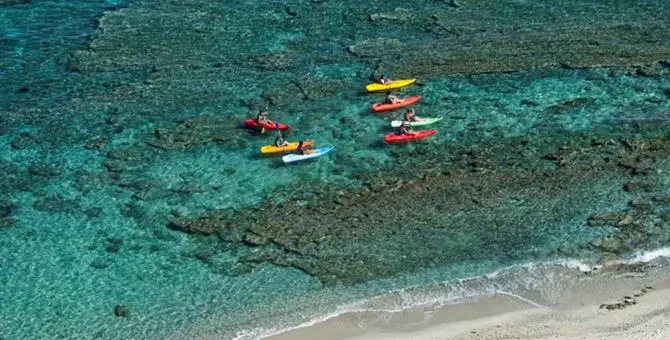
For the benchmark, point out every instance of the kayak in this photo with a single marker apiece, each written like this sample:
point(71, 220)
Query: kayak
point(394, 137)
point(396, 84)
point(379, 107)
point(266, 149)
point(269, 125)
point(423, 121)
point(297, 157)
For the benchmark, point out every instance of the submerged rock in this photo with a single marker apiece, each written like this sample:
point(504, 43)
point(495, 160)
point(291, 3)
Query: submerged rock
point(255, 240)
point(6, 222)
point(14, 2)
point(662, 200)
point(640, 204)
point(99, 263)
point(57, 204)
point(610, 244)
point(12, 178)
point(606, 219)
point(653, 70)
point(192, 227)
point(638, 186)
point(609, 259)
point(121, 311)
point(6, 208)
point(113, 245)
point(529, 102)
point(398, 14)
point(129, 159)
point(569, 105)
point(197, 131)
point(93, 212)
point(274, 61)
point(23, 141)
point(452, 3)
point(44, 170)
point(371, 47)
point(97, 142)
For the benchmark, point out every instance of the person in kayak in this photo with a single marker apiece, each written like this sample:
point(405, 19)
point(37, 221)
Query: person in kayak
point(392, 98)
point(410, 116)
point(279, 140)
point(403, 130)
point(262, 117)
point(304, 149)
point(383, 79)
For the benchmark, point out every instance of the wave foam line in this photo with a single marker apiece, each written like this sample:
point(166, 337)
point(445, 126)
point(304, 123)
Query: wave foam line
point(648, 255)
point(268, 332)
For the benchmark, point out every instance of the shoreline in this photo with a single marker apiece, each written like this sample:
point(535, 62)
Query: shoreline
point(639, 303)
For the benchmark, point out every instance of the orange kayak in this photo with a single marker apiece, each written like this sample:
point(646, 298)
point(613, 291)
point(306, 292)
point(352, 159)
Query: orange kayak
point(380, 107)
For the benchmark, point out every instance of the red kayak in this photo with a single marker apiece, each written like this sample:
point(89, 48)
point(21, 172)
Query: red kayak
point(394, 137)
point(269, 125)
point(379, 107)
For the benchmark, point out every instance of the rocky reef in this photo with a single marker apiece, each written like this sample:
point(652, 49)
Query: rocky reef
point(431, 40)
point(489, 200)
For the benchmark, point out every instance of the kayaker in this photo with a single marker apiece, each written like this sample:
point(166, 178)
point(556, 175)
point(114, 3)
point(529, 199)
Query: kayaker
point(410, 116)
point(392, 98)
point(304, 149)
point(279, 140)
point(403, 130)
point(262, 117)
point(384, 80)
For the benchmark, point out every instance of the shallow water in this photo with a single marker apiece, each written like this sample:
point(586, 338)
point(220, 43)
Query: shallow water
point(116, 118)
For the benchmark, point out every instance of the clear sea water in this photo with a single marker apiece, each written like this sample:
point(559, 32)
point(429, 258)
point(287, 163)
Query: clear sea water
point(86, 237)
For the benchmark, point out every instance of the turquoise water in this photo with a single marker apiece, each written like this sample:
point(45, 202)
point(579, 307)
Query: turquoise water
point(118, 117)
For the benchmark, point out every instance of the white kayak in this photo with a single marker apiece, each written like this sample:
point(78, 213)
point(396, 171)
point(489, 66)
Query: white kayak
point(421, 122)
point(298, 157)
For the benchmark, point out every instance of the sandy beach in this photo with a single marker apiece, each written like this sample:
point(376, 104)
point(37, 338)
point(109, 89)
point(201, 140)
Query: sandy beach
point(612, 305)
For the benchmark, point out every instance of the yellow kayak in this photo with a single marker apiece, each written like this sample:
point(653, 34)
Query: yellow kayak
point(396, 84)
point(293, 146)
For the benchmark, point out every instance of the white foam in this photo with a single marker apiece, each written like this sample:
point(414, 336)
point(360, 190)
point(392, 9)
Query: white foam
point(584, 267)
point(259, 333)
point(648, 256)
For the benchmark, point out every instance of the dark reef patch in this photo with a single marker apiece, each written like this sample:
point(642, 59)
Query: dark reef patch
point(490, 200)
